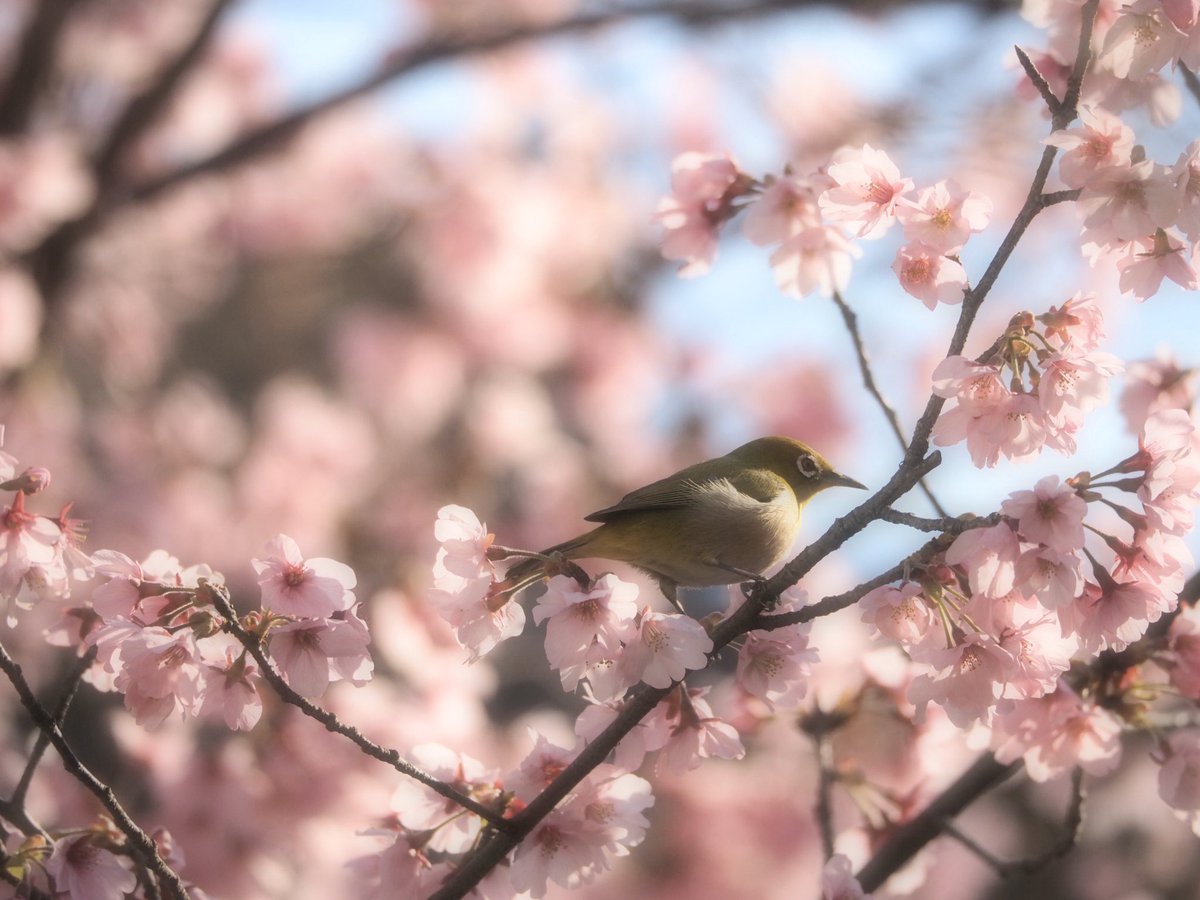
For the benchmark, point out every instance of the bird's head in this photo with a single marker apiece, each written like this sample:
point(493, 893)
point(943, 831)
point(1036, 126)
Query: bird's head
point(806, 471)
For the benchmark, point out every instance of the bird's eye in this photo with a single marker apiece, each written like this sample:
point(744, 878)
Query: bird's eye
point(808, 466)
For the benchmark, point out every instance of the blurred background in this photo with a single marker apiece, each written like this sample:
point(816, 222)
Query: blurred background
point(292, 266)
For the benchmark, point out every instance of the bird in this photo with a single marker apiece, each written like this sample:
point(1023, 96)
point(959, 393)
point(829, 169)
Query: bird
point(722, 521)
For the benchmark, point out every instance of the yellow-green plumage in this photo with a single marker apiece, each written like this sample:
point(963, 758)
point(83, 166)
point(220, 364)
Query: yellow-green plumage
point(717, 522)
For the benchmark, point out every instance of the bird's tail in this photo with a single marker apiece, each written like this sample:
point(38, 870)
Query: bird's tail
point(531, 569)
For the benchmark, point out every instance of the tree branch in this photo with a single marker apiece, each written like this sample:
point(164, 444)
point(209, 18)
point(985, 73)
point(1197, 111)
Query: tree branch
point(868, 380)
point(332, 723)
point(34, 62)
point(140, 843)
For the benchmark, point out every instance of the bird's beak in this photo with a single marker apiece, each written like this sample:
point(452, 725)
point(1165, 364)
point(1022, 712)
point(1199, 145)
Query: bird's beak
point(836, 479)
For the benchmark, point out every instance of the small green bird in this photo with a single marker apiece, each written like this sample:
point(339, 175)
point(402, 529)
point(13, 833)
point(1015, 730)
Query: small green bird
point(720, 521)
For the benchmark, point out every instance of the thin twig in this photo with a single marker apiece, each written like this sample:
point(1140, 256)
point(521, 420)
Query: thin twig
point(945, 525)
point(1052, 198)
point(906, 841)
point(82, 664)
point(850, 318)
point(1039, 80)
point(332, 723)
point(140, 843)
point(1192, 82)
point(1072, 827)
point(826, 778)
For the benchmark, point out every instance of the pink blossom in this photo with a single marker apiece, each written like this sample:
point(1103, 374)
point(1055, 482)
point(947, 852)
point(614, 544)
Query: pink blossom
point(696, 734)
point(900, 613)
point(838, 881)
point(311, 653)
point(1054, 578)
point(944, 216)
point(26, 541)
point(463, 543)
point(1124, 203)
point(1078, 323)
point(293, 586)
point(989, 556)
point(1051, 514)
point(230, 683)
point(586, 627)
point(928, 275)
point(539, 768)
point(703, 189)
point(1179, 776)
point(1145, 262)
point(1141, 41)
point(1017, 429)
point(83, 870)
point(1074, 384)
point(783, 210)
point(1041, 652)
point(398, 868)
point(1056, 733)
point(1154, 384)
point(1113, 616)
point(866, 190)
point(420, 809)
point(1186, 176)
point(1099, 141)
point(159, 673)
point(1184, 649)
point(966, 680)
point(650, 734)
point(580, 838)
point(816, 259)
point(665, 647)
point(775, 665)
point(978, 388)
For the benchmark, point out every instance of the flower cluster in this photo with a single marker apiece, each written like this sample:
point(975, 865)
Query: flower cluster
point(598, 821)
point(1032, 391)
point(159, 638)
point(994, 628)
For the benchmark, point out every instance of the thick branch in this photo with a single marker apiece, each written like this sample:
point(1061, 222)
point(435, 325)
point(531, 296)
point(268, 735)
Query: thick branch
point(140, 843)
point(908, 840)
point(34, 63)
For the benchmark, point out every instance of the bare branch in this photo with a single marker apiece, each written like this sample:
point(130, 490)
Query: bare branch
point(1072, 827)
point(868, 380)
point(1039, 81)
point(332, 723)
point(34, 62)
point(82, 664)
point(945, 525)
point(140, 843)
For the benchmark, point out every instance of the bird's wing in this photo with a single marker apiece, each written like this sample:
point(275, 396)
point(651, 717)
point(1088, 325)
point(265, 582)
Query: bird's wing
point(691, 486)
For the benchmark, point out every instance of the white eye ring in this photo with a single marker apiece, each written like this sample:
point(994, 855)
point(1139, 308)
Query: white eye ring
point(808, 466)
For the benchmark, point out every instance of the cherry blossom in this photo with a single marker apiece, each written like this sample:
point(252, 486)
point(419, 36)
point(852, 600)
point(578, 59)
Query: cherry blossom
point(989, 556)
point(866, 190)
point(703, 190)
point(1057, 732)
point(1099, 141)
point(1145, 262)
point(696, 734)
point(775, 665)
point(944, 216)
point(81, 868)
point(900, 613)
point(815, 259)
point(1051, 514)
point(1179, 776)
point(586, 627)
point(930, 276)
point(295, 586)
point(664, 648)
point(313, 652)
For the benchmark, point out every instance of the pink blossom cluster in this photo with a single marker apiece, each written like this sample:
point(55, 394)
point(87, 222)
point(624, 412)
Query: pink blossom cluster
point(598, 822)
point(994, 630)
point(159, 639)
point(1033, 391)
